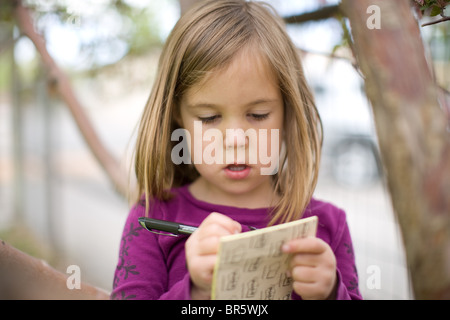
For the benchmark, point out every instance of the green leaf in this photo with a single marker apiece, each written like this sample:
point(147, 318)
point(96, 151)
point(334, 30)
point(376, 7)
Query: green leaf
point(435, 11)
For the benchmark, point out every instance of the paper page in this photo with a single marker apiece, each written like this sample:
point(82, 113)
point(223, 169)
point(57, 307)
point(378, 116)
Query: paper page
point(251, 265)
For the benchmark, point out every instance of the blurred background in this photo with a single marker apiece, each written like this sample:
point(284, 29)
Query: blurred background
point(57, 203)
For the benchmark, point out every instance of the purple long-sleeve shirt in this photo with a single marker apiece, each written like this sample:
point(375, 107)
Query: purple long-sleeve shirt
point(153, 266)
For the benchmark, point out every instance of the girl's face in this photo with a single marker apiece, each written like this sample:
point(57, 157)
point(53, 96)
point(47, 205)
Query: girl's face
point(231, 105)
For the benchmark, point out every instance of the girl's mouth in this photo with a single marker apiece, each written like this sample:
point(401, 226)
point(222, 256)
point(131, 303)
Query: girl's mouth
point(236, 167)
point(237, 171)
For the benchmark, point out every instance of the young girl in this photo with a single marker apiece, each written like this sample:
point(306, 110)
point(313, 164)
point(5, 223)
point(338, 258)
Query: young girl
point(229, 66)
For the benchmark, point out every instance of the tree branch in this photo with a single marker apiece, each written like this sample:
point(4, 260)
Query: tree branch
point(59, 80)
point(445, 18)
point(25, 277)
point(319, 14)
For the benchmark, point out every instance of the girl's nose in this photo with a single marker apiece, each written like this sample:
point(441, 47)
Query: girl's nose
point(236, 143)
point(235, 138)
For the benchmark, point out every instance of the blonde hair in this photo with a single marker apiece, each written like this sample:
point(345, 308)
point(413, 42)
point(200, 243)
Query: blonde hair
point(207, 37)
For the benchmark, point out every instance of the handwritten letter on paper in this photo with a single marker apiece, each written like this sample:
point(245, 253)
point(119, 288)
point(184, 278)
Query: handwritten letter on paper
point(251, 265)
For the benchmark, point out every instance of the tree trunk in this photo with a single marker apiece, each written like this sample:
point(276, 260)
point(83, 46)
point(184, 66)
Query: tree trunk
point(412, 133)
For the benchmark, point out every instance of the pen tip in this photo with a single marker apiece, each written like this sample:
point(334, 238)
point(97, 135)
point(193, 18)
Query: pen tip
point(141, 222)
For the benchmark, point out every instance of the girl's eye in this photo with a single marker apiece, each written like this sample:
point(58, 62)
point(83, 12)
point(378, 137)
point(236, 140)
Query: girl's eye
point(206, 120)
point(259, 117)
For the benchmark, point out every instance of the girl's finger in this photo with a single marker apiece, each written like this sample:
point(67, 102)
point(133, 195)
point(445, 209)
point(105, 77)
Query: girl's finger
point(213, 230)
point(305, 245)
point(307, 291)
point(208, 245)
point(304, 259)
point(226, 222)
point(303, 274)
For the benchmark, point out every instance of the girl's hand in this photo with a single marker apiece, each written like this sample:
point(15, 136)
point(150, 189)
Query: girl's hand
point(201, 250)
point(312, 267)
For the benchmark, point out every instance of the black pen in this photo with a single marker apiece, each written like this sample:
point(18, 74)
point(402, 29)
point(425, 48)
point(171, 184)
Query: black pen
point(173, 228)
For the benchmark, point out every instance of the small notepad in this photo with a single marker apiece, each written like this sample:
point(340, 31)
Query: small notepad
point(251, 265)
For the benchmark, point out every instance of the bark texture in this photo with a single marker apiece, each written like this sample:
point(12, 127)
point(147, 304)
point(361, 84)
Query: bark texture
point(413, 135)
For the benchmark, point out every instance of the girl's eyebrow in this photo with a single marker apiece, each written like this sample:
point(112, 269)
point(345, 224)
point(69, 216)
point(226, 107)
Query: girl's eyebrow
point(203, 105)
point(261, 101)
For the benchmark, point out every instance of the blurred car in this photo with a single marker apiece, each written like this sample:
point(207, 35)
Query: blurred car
point(350, 150)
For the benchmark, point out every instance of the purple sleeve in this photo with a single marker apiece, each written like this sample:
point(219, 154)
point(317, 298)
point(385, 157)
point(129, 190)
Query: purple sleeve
point(141, 271)
point(347, 275)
